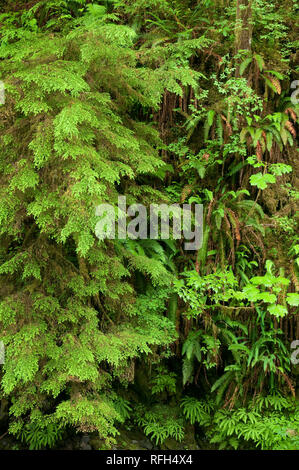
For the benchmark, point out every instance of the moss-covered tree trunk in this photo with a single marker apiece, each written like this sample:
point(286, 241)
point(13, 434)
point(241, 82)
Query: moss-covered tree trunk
point(243, 27)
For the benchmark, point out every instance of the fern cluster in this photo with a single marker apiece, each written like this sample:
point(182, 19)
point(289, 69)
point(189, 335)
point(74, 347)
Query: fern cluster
point(163, 102)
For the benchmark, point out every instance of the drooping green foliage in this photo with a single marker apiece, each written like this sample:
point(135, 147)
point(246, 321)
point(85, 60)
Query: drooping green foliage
point(163, 102)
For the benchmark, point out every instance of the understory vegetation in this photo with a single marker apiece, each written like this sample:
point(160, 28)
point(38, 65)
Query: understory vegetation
point(162, 101)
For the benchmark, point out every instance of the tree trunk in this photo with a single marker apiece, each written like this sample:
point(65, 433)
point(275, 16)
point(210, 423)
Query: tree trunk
point(243, 27)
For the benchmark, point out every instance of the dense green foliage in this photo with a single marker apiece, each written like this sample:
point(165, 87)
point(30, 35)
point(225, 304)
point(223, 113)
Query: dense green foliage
point(163, 101)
